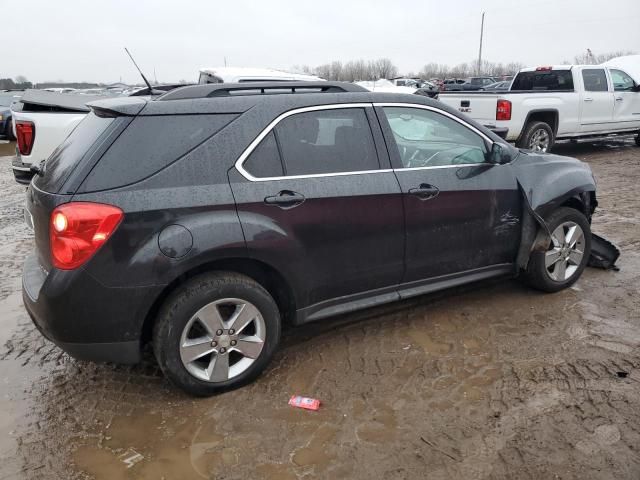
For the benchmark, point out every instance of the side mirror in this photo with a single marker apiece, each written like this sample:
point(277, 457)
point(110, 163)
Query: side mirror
point(499, 154)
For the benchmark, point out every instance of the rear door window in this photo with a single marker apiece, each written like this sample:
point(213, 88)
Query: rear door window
point(595, 80)
point(327, 141)
point(70, 152)
point(544, 80)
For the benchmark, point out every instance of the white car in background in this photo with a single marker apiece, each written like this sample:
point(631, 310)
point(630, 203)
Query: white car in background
point(247, 74)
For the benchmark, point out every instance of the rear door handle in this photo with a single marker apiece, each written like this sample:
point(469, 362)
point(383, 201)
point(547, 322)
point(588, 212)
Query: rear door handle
point(588, 99)
point(285, 199)
point(618, 99)
point(425, 191)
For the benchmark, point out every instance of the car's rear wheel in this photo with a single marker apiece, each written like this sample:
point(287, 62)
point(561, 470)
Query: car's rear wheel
point(216, 332)
point(537, 136)
point(565, 260)
point(638, 139)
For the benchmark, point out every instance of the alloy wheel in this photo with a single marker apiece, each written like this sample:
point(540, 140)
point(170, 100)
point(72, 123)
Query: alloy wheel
point(222, 340)
point(564, 257)
point(539, 141)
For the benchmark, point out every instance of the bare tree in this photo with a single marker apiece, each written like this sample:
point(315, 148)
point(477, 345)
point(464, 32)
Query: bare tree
point(382, 68)
point(588, 58)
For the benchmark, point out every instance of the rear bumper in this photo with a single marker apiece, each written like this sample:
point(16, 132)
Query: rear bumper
point(21, 171)
point(83, 317)
point(502, 132)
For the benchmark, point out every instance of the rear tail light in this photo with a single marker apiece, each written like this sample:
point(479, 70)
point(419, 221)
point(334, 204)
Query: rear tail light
point(503, 110)
point(25, 135)
point(77, 230)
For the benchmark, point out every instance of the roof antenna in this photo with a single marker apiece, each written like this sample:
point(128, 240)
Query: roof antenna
point(151, 91)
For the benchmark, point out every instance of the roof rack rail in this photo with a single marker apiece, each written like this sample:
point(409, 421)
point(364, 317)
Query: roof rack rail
point(259, 88)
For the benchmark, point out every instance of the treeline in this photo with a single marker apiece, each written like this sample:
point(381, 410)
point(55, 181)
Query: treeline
point(588, 58)
point(358, 70)
point(19, 83)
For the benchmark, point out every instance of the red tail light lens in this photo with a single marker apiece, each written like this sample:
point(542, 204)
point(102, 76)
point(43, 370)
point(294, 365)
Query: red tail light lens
point(77, 230)
point(25, 135)
point(503, 110)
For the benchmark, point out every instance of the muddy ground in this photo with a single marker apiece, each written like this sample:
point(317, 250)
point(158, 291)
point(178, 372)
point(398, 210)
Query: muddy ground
point(493, 381)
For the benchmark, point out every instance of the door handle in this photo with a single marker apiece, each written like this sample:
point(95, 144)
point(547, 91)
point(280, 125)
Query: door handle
point(424, 191)
point(285, 199)
point(618, 99)
point(588, 99)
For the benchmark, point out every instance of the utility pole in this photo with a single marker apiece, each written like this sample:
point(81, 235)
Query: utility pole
point(480, 52)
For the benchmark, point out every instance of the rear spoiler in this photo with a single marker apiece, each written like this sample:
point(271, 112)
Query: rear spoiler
point(117, 107)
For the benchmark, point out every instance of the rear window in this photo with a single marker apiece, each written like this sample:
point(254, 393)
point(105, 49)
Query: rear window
point(149, 144)
point(69, 153)
point(544, 80)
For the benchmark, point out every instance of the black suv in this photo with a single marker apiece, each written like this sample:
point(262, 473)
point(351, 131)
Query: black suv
point(204, 220)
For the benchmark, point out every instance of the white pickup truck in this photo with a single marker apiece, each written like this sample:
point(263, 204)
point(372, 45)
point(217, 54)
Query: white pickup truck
point(546, 104)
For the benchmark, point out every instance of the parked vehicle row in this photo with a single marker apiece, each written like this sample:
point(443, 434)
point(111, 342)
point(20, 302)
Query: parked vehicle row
point(204, 220)
point(548, 103)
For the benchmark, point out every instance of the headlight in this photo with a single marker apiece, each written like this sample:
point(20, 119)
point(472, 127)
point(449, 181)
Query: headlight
point(1, 117)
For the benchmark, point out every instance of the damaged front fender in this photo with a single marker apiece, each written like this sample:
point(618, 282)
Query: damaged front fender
point(547, 182)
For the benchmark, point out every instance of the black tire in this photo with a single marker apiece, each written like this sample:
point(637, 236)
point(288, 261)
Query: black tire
point(529, 133)
point(537, 274)
point(638, 139)
point(188, 299)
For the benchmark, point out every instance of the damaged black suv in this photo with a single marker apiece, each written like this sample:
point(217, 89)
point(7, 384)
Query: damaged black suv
point(203, 221)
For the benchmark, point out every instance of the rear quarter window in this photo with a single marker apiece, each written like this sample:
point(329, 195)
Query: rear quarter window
point(69, 153)
point(149, 144)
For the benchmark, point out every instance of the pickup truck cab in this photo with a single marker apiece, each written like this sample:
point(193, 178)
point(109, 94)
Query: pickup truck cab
point(545, 104)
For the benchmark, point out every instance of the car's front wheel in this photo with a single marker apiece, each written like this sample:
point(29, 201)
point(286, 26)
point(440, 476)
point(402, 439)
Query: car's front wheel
point(563, 263)
point(216, 332)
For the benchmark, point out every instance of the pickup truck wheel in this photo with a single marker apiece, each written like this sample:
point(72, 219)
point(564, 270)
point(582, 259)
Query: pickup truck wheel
point(638, 139)
point(537, 136)
point(565, 260)
point(216, 332)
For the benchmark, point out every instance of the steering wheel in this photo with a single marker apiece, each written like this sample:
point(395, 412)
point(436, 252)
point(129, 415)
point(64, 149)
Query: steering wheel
point(417, 159)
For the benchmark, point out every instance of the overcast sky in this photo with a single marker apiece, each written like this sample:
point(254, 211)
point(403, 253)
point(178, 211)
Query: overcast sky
point(49, 40)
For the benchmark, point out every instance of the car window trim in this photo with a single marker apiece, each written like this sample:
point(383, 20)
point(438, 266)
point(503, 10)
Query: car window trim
point(253, 145)
point(239, 165)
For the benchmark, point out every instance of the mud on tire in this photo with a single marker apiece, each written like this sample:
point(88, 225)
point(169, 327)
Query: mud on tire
point(540, 270)
point(532, 129)
point(227, 293)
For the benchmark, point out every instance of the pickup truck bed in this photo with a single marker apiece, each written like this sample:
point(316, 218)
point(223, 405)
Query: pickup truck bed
point(51, 117)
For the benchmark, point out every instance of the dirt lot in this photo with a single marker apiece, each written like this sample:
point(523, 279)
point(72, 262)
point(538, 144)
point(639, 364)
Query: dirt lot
point(495, 381)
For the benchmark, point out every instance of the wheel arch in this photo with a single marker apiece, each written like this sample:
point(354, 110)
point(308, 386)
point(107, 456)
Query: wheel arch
point(550, 116)
point(266, 275)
